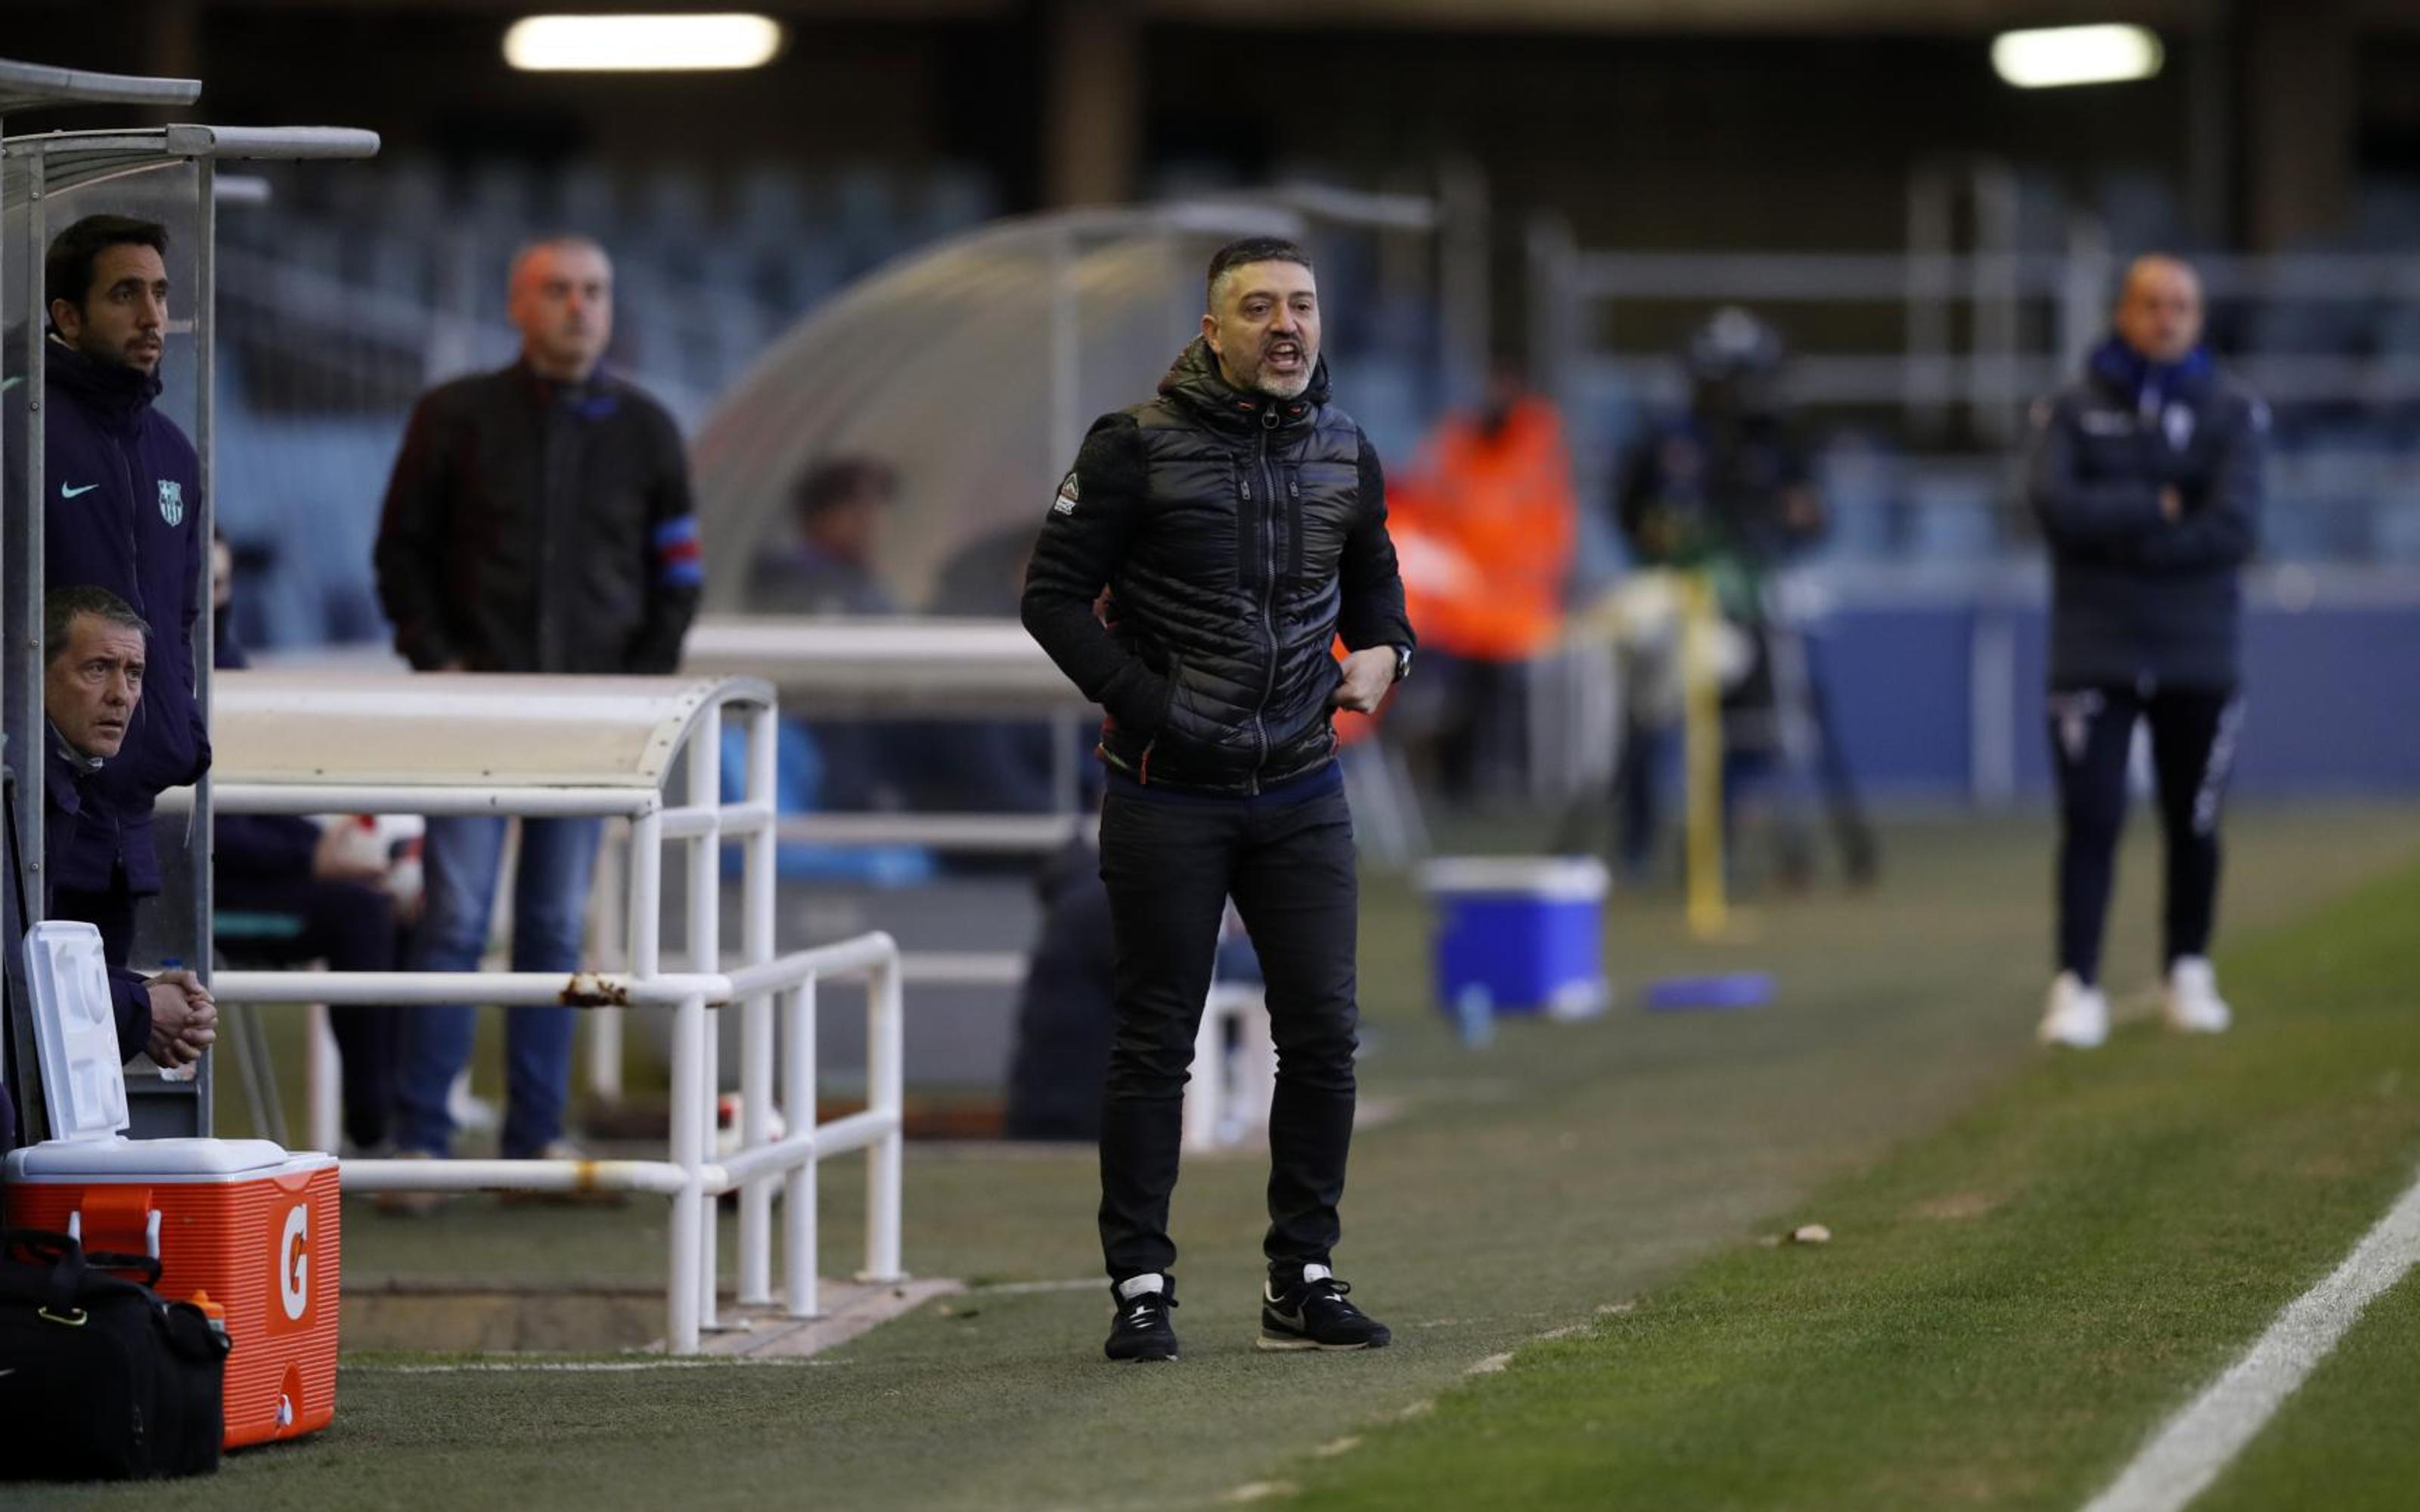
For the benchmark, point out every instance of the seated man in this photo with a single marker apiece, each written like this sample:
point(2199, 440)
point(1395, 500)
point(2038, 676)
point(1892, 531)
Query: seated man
point(332, 889)
point(92, 682)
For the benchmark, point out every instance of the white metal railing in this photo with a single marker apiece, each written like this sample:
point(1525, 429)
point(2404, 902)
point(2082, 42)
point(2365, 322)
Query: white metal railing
point(695, 994)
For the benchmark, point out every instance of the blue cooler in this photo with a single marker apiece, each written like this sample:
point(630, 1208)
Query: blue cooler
point(1527, 931)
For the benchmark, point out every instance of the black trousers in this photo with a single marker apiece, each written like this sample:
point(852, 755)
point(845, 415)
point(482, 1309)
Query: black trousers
point(1170, 868)
point(351, 927)
point(2192, 748)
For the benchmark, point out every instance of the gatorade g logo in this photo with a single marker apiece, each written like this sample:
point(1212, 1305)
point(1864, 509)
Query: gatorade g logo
point(293, 1265)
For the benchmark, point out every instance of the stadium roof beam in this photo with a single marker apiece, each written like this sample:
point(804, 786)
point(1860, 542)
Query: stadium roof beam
point(39, 87)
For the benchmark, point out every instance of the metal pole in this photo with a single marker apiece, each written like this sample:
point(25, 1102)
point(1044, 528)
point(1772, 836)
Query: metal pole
point(885, 1046)
point(799, 1195)
point(1928, 300)
point(646, 894)
point(757, 1023)
point(200, 833)
point(1992, 368)
point(322, 1079)
point(1462, 275)
point(1702, 744)
point(704, 954)
point(611, 941)
point(24, 573)
point(690, 1212)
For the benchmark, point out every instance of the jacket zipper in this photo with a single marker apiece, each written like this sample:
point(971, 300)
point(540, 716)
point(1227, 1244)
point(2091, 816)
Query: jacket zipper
point(1268, 595)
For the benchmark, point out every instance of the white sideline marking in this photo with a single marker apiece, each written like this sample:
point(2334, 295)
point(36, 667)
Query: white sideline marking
point(1016, 1288)
point(586, 1367)
point(2188, 1453)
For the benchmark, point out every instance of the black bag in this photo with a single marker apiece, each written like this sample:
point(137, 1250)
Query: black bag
point(102, 1378)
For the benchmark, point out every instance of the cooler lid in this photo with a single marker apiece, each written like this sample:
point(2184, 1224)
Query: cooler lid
point(1548, 878)
point(135, 1160)
point(83, 1079)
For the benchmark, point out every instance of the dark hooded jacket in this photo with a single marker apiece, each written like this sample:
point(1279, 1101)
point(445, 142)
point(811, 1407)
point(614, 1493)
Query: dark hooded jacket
point(2137, 597)
point(122, 510)
point(1238, 537)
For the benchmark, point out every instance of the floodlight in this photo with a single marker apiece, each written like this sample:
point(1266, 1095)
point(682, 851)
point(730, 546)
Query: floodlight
point(2051, 56)
point(642, 44)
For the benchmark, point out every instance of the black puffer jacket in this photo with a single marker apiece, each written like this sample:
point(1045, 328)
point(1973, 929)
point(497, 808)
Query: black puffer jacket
point(2137, 597)
point(1238, 537)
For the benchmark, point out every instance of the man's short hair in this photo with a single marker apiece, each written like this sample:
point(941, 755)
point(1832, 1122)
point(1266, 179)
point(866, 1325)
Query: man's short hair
point(549, 243)
point(62, 606)
point(842, 480)
point(67, 269)
point(1251, 250)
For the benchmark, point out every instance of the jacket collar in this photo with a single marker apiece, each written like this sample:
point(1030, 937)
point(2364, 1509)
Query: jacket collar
point(1194, 380)
point(67, 768)
point(591, 396)
point(116, 393)
point(2145, 385)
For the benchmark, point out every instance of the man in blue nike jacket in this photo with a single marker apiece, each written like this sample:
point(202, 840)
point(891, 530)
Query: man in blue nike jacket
point(121, 511)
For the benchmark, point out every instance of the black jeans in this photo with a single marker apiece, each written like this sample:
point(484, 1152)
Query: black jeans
point(1170, 868)
point(2193, 746)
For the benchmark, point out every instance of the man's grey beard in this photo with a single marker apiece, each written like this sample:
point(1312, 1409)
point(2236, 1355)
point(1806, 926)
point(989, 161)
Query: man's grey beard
point(1283, 388)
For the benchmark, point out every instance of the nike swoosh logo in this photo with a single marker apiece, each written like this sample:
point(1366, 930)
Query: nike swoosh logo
point(66, 492)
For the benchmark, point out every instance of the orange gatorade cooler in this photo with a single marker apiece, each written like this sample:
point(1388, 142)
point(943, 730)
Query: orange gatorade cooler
point(246, 1220)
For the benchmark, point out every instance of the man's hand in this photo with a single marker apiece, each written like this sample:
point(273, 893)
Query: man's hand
point(1368, 676)
point(2172, 503)
point(184, 1019)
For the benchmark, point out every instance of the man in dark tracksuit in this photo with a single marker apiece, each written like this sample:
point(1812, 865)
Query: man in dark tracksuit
point(1239, 523)
point(538, 520)
point(123, 507)
point(2146, 477)
point(94, 668)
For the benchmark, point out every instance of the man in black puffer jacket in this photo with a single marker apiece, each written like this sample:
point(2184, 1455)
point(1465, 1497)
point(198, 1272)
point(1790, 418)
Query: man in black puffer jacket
point(1239, 524)
point(2146, 477)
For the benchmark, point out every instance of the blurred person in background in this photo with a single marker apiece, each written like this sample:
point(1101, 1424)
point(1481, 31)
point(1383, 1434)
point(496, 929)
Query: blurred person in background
point(1496, 485)
point(827, 571)
point(94, 674)
point(826, 568)
point(538, 520)
point(329, 882)
point(1238, 523)
point(121, 512)
point(2146, 475)
point(1725, 488)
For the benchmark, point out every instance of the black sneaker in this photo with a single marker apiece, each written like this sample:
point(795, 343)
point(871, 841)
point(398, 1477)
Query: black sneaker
point(1142, 1331)
point(1312, 1314)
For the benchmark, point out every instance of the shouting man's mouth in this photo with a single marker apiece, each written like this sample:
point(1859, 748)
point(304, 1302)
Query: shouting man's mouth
point(1286, 355)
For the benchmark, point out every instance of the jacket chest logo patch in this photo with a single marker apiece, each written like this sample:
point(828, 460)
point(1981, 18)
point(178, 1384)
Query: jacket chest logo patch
point(1065, 503)
point(2179, 425)
point(172, 500)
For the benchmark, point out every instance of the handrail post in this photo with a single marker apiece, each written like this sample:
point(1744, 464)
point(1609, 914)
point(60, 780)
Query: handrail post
point(705, 938)
point(800, 1193)
point(885, 1092)
point(689, 1213)
point(757, 1023)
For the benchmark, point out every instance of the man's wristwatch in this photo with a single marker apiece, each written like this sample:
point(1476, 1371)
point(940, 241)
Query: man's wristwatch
point(1402, 662)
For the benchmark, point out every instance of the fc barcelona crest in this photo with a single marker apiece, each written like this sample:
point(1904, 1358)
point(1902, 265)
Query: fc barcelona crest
point(172, 500)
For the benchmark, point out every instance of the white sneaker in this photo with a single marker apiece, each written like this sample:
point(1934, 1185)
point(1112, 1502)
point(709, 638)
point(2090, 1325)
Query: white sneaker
point(2194, 1004)
point(2077, 1017)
